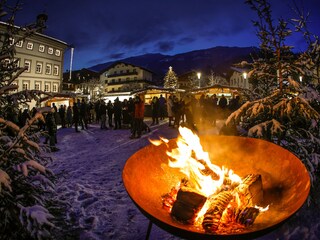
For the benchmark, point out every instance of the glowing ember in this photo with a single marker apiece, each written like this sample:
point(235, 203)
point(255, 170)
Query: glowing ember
point(209, 196)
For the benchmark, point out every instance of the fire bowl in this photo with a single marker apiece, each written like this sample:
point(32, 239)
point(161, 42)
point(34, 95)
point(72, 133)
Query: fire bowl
point(286, 183)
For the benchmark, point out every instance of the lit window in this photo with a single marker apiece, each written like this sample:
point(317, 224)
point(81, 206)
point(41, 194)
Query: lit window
point(50, 50)
point(27, 64)
point(48, 68)
point(29, 45)
point(41, 48)
point(57, 52)
point(46, 87)
point(37, 86)
point(39, 67)
point(19, 43)
point(55, 88)
point(56, 70)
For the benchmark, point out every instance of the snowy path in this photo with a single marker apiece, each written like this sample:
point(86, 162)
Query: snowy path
point(90, 165)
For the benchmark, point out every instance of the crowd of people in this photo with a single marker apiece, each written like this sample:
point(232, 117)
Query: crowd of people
point(130, 113)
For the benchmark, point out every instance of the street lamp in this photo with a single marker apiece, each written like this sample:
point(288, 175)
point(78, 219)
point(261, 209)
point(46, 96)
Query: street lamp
point(245, 78)
point(199, 76)
point(300, 77)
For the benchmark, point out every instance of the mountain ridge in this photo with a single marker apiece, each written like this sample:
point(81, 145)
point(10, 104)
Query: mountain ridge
point(218, 59)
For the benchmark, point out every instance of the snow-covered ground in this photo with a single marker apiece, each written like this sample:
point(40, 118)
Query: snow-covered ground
point(89, 165)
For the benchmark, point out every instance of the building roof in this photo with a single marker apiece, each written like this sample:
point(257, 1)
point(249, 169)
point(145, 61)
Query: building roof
point(36, 33)
point(126, 63)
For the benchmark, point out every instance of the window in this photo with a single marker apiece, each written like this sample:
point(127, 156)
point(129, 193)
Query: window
point(46, 87)
point(16, 62)
point(57, 52)
point(37, 86)
point(41, 48)
point(56, 70)
point(25, 85)
point(39, 67)
point(29, 45)
point(27, 64)
point(48, 68)
point(50, 50)
point(6, 62)
point(19, 43)
point(16, 84)
point(11, 41)
point(55, 88)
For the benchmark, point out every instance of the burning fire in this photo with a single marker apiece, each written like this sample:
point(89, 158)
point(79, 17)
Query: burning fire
point(216, 196)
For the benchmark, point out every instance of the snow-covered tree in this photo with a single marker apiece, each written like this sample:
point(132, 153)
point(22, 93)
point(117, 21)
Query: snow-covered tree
point(170, 79)
point(287, 116)
point(272, 64)
point(24, 179)
point(214, 78)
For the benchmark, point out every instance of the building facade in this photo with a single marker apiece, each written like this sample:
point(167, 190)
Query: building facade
point(124, 77)
point(43, 57)
point(239, 78)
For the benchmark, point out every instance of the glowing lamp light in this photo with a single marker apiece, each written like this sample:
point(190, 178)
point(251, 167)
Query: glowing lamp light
point(245, 75)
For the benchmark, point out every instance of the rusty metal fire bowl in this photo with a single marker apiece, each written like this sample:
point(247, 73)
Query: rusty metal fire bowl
point(286, 183)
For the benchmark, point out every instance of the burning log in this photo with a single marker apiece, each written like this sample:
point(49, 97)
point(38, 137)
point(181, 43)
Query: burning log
point(187, 205)
point(234, 210)
point(250, 190)
point(211, 220)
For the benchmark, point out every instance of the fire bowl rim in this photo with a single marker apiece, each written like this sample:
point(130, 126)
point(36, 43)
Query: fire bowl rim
point(190, 234)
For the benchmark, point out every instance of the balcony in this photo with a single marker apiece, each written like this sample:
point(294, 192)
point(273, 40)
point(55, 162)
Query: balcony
point(122, 74)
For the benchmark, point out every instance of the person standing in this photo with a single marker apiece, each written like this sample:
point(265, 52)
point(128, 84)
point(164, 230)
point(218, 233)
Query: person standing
point(117, 107)
point(162, 107)
point(52, 130)
point(69, 116)
point(169, 110)
point(138, 117)
point(62, 113)
point(103, 115)
point(75, 110)
point(110, 113)
point(155, 110)
point(83, 115)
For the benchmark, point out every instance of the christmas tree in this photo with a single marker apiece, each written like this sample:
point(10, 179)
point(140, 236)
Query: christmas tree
point(170, 79)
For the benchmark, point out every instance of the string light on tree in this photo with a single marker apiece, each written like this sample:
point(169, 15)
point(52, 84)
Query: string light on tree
point(170, 79)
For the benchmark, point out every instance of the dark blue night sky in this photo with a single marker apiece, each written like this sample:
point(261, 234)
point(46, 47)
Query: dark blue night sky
point(104, 30)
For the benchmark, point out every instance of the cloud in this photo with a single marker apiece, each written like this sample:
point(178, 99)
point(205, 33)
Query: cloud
point(165, 46)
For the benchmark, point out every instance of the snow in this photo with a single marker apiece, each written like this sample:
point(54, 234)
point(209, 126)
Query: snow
point(89, 165)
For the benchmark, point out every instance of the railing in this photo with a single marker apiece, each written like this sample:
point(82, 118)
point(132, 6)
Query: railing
point(122, 74)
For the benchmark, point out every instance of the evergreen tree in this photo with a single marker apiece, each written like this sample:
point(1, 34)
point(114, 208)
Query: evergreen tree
point(170, 79)
point(288, 115)
point(25, 183)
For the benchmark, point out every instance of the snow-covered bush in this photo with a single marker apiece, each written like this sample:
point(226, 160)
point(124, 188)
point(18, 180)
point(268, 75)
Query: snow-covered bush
point(24, 179)
point(286, 119)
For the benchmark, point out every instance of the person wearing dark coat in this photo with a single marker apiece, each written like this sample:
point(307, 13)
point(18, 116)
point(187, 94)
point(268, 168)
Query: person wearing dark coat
point(117, 109)
point(62, 114)
point(83, 115)
point(110, 113)
point(155, 110)
point(103, 115)
point(75, 111)
point(52, 130)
